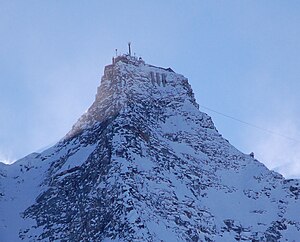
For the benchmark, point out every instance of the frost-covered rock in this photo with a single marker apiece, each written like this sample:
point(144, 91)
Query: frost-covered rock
point(144, 164)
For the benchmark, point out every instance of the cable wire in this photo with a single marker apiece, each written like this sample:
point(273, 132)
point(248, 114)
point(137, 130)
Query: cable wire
point(250, 124)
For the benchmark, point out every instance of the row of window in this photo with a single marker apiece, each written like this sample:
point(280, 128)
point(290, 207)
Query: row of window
point(159, 79)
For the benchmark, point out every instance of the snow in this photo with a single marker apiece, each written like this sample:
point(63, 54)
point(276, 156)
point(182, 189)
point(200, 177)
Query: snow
point(144, 164)
point(78, 158)
point(20, 188)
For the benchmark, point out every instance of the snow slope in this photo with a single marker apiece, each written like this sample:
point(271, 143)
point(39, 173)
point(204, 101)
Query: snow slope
point(144, 164)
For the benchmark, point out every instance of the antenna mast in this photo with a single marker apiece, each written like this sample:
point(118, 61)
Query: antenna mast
point(129, 48)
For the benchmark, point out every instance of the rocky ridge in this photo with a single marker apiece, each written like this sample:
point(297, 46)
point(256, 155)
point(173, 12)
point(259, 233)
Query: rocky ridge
point(144, 164)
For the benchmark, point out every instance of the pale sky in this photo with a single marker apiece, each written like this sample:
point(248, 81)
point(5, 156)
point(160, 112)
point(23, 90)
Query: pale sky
point(242, 58)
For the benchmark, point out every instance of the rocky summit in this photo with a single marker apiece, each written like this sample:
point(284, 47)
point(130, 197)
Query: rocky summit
point(144, 164)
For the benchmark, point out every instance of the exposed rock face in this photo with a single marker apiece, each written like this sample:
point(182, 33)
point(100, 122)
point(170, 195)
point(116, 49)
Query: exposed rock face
point(144, 164)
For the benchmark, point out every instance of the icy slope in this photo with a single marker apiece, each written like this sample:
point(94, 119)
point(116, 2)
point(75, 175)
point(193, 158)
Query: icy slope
point(144, 164)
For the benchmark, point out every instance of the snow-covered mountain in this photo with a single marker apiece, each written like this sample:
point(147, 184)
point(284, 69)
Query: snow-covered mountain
point(144, 164)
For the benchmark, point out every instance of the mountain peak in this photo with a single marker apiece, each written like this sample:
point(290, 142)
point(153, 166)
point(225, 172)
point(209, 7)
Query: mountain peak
point(144, 164)
point(130, 81)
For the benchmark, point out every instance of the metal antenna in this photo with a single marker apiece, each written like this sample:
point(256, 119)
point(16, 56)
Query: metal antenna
point(116, 52)
point(129, 49)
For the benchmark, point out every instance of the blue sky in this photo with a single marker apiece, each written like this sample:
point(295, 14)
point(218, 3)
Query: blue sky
point(242, 58)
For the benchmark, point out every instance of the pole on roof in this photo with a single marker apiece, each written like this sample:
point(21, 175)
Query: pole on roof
point(129, 48)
